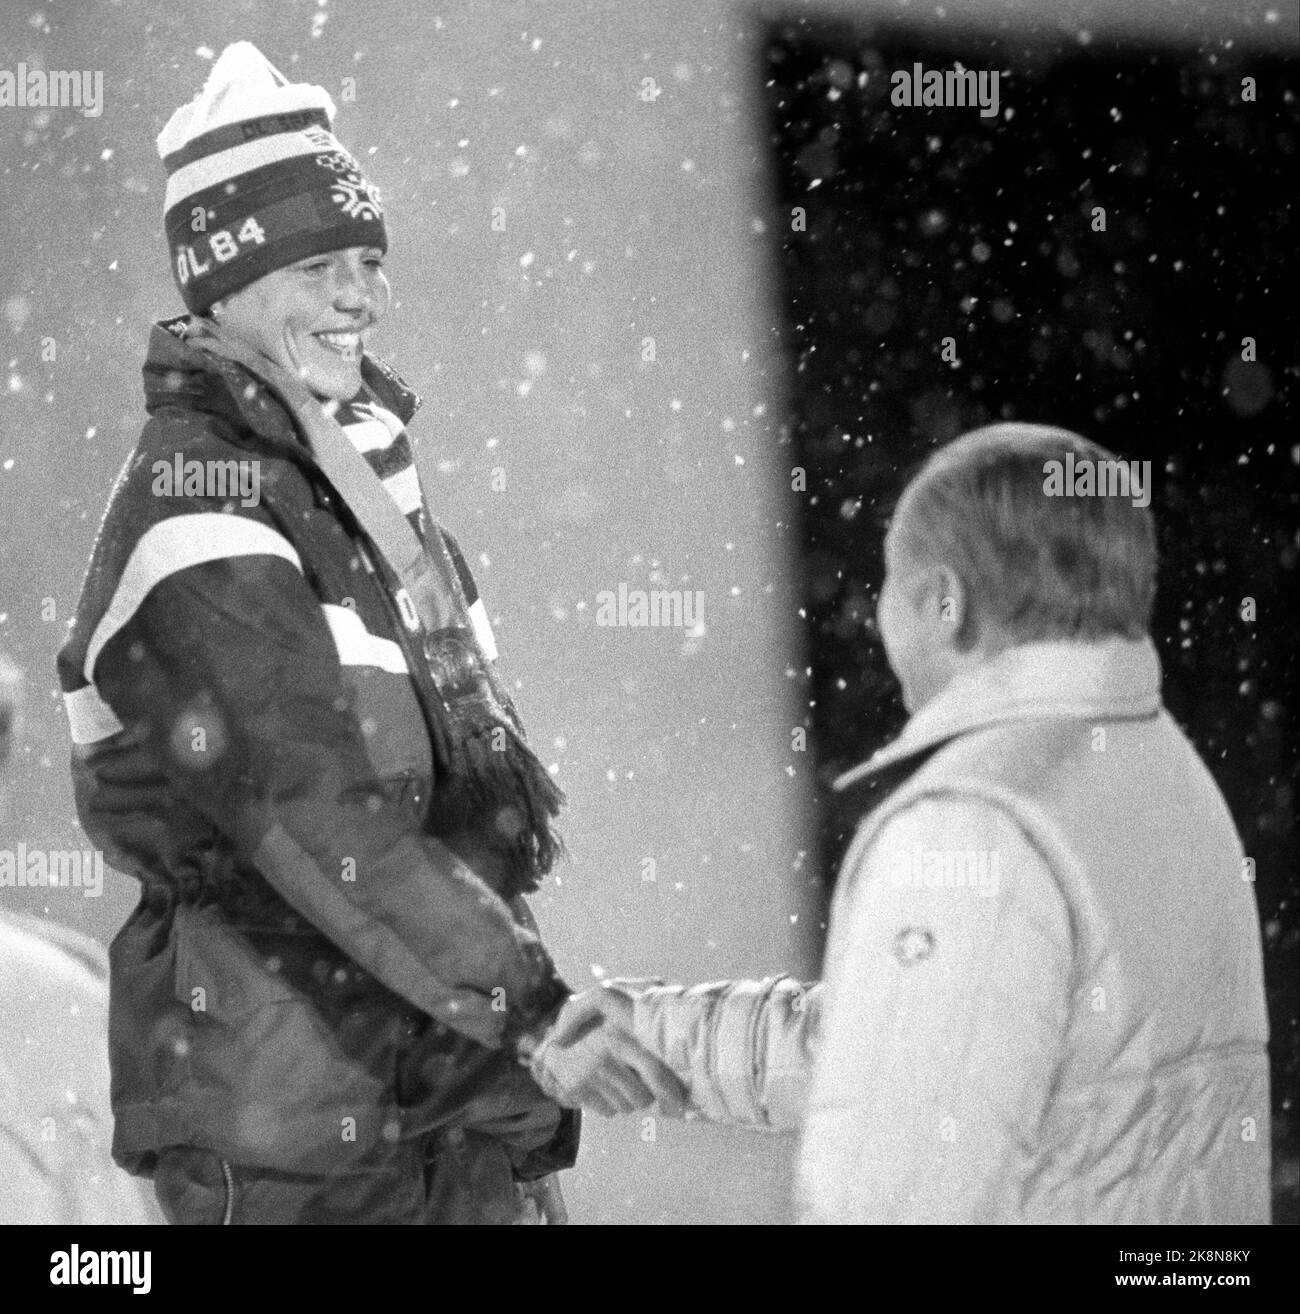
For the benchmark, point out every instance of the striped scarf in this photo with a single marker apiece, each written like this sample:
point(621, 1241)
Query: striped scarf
point(497, 806)
point(495, 803)
point(379, 436)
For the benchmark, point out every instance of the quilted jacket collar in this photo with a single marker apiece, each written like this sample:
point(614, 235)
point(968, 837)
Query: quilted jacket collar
point(1115, 679)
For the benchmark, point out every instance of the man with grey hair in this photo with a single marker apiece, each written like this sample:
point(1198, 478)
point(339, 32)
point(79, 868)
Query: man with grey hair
point(1043, 995)
point(1088, 1044)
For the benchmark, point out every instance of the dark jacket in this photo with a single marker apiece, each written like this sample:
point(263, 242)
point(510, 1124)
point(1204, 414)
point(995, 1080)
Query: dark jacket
point(313, 967)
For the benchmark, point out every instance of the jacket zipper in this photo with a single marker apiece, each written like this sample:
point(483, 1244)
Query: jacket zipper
point(229, 1178)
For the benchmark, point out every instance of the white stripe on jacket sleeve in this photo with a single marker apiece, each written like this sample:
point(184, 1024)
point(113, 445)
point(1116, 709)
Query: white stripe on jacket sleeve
point(174, 545)
point(90, 718)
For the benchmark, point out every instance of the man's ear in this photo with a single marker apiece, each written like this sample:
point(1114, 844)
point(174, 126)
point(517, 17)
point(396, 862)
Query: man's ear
point(950, 604)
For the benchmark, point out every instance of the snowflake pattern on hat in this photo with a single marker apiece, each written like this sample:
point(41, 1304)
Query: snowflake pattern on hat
point(348, 192)
point(360, 199)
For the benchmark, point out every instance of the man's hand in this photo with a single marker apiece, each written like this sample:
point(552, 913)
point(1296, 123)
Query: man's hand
point(589, 1058)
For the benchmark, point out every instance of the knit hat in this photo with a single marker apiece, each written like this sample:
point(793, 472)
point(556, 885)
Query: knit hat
point(256, 180)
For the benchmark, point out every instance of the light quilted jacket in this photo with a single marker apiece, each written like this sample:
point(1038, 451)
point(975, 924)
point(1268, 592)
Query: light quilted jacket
point(1043, 994)
point(1045, 997)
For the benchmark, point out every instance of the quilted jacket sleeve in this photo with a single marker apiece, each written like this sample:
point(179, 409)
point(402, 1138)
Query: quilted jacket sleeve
point(744, 1049)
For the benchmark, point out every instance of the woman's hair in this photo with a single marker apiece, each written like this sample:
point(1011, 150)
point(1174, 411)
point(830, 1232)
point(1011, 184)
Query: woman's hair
point(1037, 564)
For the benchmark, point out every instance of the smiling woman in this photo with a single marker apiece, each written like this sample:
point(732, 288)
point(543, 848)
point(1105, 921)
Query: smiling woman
point(314, 317)
point(289, 728)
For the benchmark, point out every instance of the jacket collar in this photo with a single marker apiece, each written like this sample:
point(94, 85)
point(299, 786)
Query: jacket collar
point(174, 370)
point(1114, 679)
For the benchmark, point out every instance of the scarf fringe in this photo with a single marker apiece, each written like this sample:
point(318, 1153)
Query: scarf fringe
point(515, 800)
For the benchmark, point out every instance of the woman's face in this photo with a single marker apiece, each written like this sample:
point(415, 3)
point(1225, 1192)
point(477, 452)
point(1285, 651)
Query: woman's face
point(314, 317)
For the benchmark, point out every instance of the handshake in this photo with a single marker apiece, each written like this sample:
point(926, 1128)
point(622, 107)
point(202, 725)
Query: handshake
point(591, 1059)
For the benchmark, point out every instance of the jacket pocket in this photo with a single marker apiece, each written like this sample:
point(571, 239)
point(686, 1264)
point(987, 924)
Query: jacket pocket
point(218, 974)
point(277, 1079)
